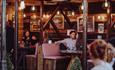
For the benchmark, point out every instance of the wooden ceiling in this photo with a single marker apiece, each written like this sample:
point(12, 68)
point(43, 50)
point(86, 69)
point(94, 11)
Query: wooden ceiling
point(78, 1)
point(52, 2)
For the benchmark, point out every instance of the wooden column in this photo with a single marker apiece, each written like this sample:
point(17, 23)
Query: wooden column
point(85, 12)
point(108, 21)
point(4, 63)
point(20, 25)
point(40, 52)
point(16, 32)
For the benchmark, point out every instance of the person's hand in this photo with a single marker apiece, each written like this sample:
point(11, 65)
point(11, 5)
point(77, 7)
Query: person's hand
point(56, 43)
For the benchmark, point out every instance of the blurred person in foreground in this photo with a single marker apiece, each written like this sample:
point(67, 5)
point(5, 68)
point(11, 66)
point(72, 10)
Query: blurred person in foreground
point(111, 55)
point(98, 53)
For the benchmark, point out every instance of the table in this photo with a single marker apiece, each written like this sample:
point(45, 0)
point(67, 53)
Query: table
point(71, 53)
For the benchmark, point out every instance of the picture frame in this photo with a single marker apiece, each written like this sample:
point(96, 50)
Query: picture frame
point(35, 26)
point(101, 17)
point(58, 21)
point(100, 28)
point(90, 24)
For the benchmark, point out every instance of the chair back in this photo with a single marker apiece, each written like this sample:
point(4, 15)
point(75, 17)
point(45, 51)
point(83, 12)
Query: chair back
point(75, 64)
point(50, 49)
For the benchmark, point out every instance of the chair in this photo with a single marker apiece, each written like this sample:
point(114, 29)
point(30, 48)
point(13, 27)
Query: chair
point(75, 64)
point(31, 60)
point(51, 53)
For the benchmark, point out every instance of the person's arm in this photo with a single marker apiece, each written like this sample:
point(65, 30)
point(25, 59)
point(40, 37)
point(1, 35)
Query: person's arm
point(61, 41)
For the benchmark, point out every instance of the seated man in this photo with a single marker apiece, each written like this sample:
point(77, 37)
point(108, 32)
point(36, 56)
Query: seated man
point(70, 42)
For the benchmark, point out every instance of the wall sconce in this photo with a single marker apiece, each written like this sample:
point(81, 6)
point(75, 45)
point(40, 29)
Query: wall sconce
point(22, 5)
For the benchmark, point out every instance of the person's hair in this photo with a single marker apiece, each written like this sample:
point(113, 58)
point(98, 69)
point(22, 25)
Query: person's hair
point(72, 32)
point(24, 34)
point(98, 49)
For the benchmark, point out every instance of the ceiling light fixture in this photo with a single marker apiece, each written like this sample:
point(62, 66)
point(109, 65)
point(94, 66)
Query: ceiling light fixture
point(33, 8)
point(22, 5)
point(106, 4)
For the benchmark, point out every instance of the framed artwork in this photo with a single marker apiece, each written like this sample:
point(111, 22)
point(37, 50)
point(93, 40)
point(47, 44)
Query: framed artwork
point(100, 28)
point(90, 24)
point(80, 24)
point(34, 25)
point(58, 21)
point(101, 18)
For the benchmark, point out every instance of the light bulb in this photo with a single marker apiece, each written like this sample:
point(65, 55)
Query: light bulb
point(22, 5)
point(24, 15)
point(82, 7)
point(33, 8)
point(106, 4)
point(44, 15)
point(73, 13)
point(58, 12)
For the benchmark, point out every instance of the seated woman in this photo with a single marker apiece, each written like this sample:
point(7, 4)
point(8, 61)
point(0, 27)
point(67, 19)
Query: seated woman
point(98, 51)
point(26, 38)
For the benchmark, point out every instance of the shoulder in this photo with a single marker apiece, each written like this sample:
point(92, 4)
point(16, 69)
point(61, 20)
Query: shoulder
point(98, 68)
point(105, 66)
point(67, 39)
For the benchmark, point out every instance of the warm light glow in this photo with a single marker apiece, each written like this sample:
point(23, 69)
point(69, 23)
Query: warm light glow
point(24, 15)
point(34, 16)
point(101, 17)
point(73, 13)
point(33, 8)
point(58, 12)
point(22, 4)
point(44, 16)
point(106, 4)
point(81, 7)
point(47, 16)
point(19, 8)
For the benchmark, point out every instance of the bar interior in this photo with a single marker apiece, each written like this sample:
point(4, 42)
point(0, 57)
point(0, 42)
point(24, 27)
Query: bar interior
point(57, 34)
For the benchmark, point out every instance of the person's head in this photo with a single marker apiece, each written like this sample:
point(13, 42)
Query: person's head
point(98, 49)
point(34, 37)
point(9, 23)
point(27, 33)
point(73, 34)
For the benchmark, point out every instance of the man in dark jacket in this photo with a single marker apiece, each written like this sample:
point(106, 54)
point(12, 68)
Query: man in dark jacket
point(10, 40)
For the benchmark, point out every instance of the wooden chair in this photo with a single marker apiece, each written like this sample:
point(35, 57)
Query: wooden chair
point(31, 60)
point(51, 53)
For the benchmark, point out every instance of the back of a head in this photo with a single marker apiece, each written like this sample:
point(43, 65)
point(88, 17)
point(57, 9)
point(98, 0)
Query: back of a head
point(98, 49)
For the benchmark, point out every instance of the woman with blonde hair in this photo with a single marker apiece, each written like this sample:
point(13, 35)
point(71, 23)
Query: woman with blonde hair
point(98, 50)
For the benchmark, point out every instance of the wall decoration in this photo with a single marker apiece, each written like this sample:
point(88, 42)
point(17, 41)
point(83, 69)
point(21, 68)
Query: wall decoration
point(59, 21)
point(100, 28)
point(35, 25)
point(90, 24)
point(101, 18)
point(80, 24)
point(113, 18)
